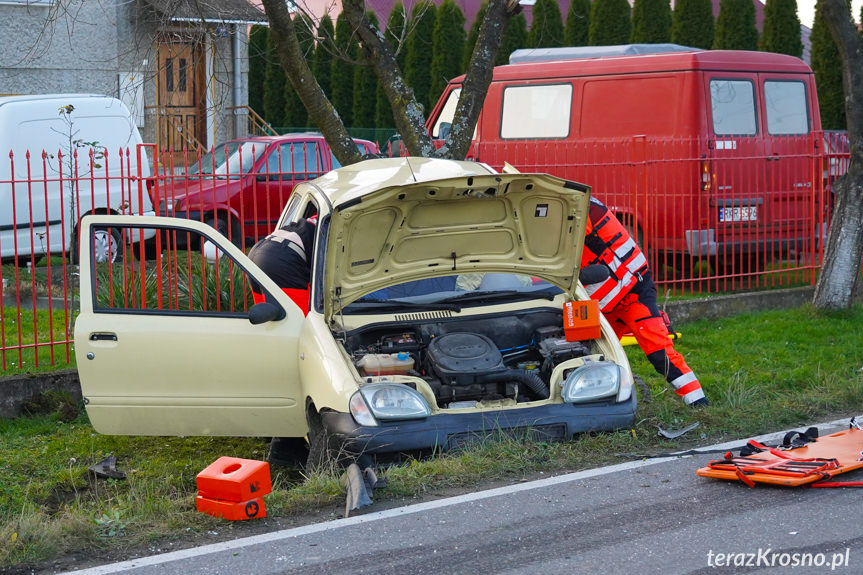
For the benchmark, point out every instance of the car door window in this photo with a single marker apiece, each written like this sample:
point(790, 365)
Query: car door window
point(307, 160)
point(188, 275)
point(295, 161)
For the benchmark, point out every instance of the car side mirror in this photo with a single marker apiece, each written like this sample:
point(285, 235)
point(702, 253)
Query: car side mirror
point(593, 274)
point(260, 177)
point(264, 312)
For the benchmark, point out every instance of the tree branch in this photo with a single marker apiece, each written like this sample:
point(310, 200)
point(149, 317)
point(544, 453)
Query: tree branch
point(408, 116)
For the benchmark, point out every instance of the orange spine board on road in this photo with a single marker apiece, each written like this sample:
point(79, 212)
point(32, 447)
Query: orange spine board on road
point(822, 459)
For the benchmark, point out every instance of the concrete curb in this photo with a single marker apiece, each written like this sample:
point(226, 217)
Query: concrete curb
point(16, 390)
point(715, 307)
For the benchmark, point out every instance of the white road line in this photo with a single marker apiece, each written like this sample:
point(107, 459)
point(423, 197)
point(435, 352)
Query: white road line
point(418, 507)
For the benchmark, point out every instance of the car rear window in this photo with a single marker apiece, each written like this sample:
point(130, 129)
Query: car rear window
point(787, 112)
point(732, 103)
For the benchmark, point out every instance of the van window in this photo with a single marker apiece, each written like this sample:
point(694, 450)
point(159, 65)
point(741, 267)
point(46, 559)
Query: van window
point(621, 107)
point(446, 116)
point(787, 112)
point(733, 106)
point(447, 113)
point(536, 111)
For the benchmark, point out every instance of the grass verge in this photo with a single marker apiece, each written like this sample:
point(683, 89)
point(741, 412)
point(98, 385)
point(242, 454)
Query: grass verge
point(762, 372)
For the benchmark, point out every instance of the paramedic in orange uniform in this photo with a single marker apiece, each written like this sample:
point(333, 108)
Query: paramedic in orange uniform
point(285, 256)
point(628, 299)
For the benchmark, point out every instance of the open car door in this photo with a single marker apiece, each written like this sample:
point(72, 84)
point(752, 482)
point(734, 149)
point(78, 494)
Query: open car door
point(167, 346)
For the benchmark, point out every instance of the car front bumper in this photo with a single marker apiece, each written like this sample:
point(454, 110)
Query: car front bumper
point(451, 431)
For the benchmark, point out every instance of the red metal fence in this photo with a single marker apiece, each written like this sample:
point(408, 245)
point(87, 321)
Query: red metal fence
point(711, 216)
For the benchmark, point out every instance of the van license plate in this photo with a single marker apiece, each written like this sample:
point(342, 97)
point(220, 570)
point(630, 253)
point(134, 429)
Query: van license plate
point(738, 214)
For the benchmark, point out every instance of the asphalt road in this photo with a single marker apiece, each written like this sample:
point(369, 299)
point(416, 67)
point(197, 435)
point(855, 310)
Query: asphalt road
point(644, 517)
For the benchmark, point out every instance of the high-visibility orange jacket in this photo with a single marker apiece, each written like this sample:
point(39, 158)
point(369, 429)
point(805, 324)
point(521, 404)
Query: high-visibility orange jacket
point(608, 243)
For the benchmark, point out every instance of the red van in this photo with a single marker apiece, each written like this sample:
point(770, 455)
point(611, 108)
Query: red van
point(704, 154)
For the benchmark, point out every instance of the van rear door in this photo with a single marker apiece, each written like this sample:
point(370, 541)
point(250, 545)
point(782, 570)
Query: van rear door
point(738, 157)
point(789, 174)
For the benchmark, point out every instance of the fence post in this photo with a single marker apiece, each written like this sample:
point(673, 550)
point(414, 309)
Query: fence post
point(640, 179)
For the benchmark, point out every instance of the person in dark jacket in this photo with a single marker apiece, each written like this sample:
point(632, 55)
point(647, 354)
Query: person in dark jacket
point(627, 298)
point(285, 256)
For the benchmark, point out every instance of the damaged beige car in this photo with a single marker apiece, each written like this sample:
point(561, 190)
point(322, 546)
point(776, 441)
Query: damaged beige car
point(436, 318)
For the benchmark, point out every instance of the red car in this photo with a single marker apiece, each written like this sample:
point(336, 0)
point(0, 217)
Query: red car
point(241, 186)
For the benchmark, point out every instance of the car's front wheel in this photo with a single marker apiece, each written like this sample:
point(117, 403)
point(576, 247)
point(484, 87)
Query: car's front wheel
point(322, 449)
point(288, 451)
point(233, 232)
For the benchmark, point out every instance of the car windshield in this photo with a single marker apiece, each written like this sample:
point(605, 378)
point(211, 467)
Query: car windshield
point(229, 160)
point(455, 292)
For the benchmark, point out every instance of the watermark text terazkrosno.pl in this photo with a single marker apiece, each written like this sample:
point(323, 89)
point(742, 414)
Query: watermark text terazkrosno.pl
point(770, 558)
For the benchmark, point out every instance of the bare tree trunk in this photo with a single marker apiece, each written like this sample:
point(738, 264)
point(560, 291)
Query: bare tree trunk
point(840, 272)
point(321, 110)
point(409, 118)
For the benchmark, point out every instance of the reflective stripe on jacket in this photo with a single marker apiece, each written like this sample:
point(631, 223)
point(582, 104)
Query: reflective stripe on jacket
point(608, 243)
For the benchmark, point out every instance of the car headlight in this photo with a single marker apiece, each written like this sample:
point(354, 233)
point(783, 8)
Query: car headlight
point(591, 381)
point(387, 401)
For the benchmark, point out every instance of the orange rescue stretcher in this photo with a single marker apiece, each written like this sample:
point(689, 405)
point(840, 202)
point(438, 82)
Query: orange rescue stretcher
point(803, 461)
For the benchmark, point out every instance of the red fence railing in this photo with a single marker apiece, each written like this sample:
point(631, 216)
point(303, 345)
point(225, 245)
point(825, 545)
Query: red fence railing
point(712, 217)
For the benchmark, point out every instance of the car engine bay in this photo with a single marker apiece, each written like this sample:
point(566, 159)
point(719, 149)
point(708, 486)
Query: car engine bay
point(505, 358)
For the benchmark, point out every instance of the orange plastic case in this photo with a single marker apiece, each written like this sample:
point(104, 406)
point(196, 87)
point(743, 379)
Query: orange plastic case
point(822, 459)
point(581, 320)
point(232, 510)
point(235, 480)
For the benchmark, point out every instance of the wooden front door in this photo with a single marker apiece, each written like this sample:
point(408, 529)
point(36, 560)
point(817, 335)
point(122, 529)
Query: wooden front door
point(182, 101)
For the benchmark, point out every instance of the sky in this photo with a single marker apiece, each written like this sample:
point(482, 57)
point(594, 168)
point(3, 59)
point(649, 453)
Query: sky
point(806, 11)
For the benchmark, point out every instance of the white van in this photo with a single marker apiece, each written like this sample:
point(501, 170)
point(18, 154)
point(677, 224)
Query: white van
point(43, 197)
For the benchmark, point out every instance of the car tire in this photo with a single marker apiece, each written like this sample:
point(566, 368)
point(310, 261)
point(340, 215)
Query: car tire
point(321, 450)
point(220, 224)
point(288, 451)
point(108, 246)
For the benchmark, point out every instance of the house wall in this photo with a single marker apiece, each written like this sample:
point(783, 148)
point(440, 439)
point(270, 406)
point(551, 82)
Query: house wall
point(71, 54)
point(86, 48)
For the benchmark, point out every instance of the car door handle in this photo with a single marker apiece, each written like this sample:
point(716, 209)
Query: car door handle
point(103, 337)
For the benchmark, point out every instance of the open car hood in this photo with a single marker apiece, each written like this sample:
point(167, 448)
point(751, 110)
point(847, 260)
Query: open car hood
point(531, 224)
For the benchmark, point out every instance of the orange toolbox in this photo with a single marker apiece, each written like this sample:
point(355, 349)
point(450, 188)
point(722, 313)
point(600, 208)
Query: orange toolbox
point(234, 479)
point(232, 510)
point(581, 320)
